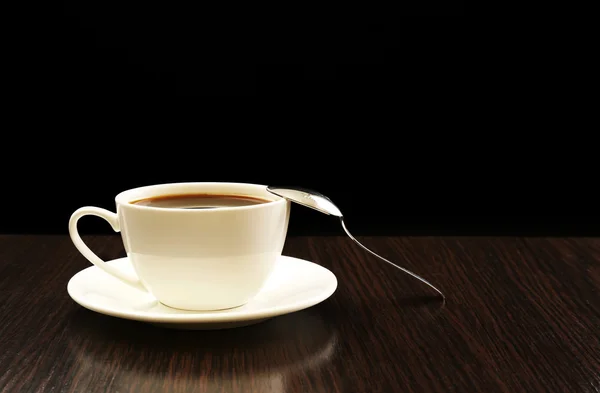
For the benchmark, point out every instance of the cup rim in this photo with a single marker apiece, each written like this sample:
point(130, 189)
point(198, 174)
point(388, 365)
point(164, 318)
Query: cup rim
point(122, 200)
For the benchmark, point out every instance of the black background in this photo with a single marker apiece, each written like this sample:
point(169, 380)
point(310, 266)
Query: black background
point(390, 113)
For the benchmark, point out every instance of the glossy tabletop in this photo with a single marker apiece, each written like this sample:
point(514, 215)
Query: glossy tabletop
point(522, 315)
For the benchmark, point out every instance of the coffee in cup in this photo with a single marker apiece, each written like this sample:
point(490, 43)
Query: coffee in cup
point(195, 246)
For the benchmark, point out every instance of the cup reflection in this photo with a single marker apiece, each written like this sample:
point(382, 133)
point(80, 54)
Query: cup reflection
point(133, 356)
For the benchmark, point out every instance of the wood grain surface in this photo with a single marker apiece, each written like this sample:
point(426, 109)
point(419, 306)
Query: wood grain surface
point(522, 315)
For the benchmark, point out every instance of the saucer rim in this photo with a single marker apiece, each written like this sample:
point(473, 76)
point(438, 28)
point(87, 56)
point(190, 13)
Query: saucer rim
point(215, 316)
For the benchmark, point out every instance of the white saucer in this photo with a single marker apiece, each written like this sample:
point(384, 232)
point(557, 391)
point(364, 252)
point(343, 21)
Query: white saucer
point(295, 284)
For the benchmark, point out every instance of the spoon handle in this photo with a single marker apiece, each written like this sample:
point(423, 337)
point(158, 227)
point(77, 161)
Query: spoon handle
point(391, 263)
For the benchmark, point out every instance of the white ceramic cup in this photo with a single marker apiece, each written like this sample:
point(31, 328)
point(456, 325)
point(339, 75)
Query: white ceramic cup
point(195, 259)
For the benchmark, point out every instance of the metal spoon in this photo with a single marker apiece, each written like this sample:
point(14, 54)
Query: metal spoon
point(320, 202)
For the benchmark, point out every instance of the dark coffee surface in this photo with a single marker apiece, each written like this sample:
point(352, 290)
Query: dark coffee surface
point(200, 201)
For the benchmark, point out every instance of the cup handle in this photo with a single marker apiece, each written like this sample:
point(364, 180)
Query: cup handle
point(113, 220)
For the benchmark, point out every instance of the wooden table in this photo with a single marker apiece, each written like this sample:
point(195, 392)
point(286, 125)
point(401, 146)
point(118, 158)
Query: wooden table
point(523, 315)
